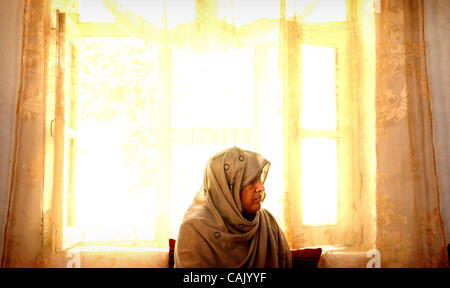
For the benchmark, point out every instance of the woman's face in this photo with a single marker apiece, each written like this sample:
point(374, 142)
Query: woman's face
point(252, 196)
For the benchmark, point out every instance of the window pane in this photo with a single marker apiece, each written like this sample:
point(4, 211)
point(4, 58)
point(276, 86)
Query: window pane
point(177, 12)
point(248, 11)
point(318, 88)
point(94, 11)
point(317, 11)
point(116, 159)
point(213, 89)
point(319, 181)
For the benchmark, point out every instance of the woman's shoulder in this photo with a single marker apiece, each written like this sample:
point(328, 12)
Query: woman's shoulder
point(198, 216)
point(270, 219)
point(268, 215)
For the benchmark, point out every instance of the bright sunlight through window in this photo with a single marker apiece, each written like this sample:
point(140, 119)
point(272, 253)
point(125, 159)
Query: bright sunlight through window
point(318, 88)
point(319, 181)
point(115, 197)
point(152, 11)
point(319, 155)
point(218, 86)
point(318, 11)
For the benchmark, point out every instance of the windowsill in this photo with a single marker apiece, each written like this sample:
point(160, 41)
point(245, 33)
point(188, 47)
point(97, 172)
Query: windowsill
point(108, 256)
point(343, 257)
point(328, 248)
point(111, 248)
point(105, 256)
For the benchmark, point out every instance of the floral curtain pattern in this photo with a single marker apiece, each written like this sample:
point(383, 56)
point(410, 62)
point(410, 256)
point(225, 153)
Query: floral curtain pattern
point(409, 225)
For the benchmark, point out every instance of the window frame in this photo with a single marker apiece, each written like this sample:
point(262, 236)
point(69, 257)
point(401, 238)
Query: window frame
point(65, 130)
point(336, 35)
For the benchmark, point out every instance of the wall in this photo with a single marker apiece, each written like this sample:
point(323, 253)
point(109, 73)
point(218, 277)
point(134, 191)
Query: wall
point(437, 27)
point(10, 47)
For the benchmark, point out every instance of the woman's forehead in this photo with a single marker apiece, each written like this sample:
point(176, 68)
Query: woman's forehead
point(257, 178)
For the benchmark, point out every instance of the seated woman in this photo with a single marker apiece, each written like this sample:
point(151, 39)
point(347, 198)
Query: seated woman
point(225, 225)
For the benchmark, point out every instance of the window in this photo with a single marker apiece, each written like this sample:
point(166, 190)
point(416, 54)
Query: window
point(320, 132)
point(147, 118)
point(143, 118)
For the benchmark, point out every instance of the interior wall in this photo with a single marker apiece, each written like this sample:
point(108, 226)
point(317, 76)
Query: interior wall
point(437, 27)
point(10, 47)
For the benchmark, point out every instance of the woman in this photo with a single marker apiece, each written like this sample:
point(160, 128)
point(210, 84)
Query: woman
point(225, 225)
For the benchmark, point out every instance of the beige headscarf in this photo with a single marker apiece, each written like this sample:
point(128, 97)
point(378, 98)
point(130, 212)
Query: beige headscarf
point(214, 232)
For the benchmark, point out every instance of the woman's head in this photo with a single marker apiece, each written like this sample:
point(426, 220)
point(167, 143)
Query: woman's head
point(235, 180)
